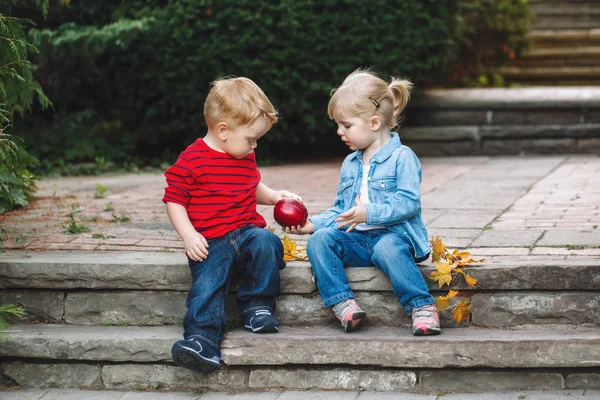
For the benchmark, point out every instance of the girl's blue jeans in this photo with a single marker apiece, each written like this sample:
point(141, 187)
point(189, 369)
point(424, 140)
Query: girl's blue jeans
point(331, 249)
point(256, 256)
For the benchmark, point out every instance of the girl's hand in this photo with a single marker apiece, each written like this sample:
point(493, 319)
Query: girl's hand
point(353, 216)
point(196, 247)
point(284, 194)
point(307, 228)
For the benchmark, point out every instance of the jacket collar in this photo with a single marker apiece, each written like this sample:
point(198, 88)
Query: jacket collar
point(384, 152)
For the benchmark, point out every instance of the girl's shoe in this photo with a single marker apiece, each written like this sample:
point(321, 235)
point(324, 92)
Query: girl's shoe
point(349, 313)
point(426, 321)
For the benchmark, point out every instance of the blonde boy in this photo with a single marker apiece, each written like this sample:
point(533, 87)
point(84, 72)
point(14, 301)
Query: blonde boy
point(211, 196)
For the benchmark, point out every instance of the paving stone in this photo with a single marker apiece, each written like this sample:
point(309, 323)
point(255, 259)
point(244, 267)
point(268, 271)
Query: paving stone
point(325, 395)
point(54, 375)
point(489, 381)
point(158, 396)
point(570, 237)
point(243, 396)
point(71, 394)
point(395, 396)
point(30, 394)
point(336, 379)
point(136, 376)
point(508, 238)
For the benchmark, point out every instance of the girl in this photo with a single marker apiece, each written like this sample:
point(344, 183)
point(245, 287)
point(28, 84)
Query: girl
point(376, 218)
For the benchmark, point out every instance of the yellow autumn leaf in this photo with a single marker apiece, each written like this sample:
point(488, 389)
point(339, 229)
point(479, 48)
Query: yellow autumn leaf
point(442, 274)
point(271, 229)
point(469, 280)
point(438, 249)
point(290, 251)
point(443, 302)
point(462, 310)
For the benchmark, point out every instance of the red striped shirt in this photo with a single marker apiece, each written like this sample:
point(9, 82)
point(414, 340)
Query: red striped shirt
point(218, 190)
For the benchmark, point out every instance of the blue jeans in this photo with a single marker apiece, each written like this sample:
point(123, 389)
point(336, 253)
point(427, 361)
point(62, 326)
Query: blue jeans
point(253, 253)
point(329, 249)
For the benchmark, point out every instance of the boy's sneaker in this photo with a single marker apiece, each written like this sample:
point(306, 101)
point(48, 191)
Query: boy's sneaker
point(426, 321)
point(349, 313)
point(261, 320)
point(195, 353)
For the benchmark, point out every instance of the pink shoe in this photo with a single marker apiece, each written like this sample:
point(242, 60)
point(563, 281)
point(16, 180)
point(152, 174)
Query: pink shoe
point(349, 313)
point(426, 321)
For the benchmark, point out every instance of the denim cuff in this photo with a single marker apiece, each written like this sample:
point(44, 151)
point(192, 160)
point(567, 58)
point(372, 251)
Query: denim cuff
point(205, 340)
point(330, 301)
point(416, 304)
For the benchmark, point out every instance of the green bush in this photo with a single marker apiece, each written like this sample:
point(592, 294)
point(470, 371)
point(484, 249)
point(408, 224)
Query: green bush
point(489, 34)
point(142, 78)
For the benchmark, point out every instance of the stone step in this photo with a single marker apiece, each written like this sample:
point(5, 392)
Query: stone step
point(564, 37)
point(571, 16)
point(307, 358)
point(541, 73)
point(559, 56)
point(150, 289)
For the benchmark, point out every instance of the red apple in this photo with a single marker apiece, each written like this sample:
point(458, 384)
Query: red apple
point(290, 212)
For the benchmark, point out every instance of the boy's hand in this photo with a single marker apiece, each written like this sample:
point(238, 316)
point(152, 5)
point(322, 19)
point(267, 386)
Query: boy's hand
point(307, 228)
point(195, 247)
point(353, 216)
point(284, 194)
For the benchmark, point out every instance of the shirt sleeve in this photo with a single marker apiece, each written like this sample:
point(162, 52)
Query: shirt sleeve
point(180, 182)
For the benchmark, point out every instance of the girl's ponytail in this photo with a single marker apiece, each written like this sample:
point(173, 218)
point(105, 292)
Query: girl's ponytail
point(401, 91)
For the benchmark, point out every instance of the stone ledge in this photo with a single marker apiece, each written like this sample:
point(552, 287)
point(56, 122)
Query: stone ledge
point(385, 347)
point(509, 98)
point(164, 271)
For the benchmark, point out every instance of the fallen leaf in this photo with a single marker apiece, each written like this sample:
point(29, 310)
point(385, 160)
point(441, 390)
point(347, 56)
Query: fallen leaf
point(443, 302)
point(443, 274)
point(462, 310)
point(438, 249)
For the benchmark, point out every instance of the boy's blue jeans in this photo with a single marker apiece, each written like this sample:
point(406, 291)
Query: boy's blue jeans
point(330, 249)
point(256, 256)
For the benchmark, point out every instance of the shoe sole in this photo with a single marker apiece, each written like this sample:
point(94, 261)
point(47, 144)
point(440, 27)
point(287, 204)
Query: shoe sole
point(427, 332)
point(356, 320)
point(192, 360)
point(267, 328)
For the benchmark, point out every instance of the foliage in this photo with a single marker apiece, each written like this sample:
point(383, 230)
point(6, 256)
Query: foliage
point(135, 85)
point(7, 311)
point(17, 184)
point(489, 33)
point(75, 227)
point(449, 266)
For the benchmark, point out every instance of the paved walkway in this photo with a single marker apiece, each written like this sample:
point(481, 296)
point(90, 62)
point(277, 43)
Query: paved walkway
point(496, 206)
point(73, 394)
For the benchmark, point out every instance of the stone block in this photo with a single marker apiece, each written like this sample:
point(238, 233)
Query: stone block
point(74, 394)
point(54, 375)
point(135, 376)
point(134, 307)
point(336, 379)
point(583, 381)
point(536, 117)
point(421, 117)
point(570, 237)
point(489, 381)
point(513, 309)
point(46, 306)
point(442, 149)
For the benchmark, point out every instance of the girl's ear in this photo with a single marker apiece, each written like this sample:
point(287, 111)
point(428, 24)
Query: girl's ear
point(222, 131)
point(375, 122)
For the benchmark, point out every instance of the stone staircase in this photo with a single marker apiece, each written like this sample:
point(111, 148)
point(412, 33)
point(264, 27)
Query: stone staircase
point(503, 121)
point(565, 49)
point(108, 320)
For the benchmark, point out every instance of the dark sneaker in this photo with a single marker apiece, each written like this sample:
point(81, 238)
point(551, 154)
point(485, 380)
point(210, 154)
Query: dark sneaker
point(426, 321)
point(349, 313)
point(261, 320)
point(195, 353)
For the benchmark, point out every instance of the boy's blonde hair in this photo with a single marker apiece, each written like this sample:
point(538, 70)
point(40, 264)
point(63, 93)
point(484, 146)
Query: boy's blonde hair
point(363, 94)
point(237, 101)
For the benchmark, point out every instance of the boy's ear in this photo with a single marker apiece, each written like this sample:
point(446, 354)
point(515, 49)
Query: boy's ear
point(222, 130)
point(375, 122)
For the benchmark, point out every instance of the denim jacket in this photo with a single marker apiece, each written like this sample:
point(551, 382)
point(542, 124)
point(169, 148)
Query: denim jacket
point(394, 193)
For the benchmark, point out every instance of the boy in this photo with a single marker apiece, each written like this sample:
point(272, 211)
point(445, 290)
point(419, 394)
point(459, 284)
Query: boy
point(211, 196)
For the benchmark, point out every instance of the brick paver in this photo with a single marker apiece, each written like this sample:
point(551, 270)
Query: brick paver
point(535, 205)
